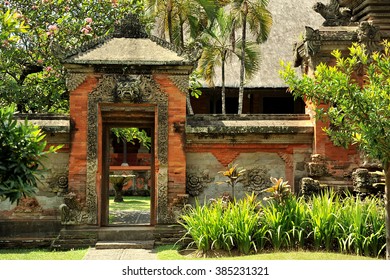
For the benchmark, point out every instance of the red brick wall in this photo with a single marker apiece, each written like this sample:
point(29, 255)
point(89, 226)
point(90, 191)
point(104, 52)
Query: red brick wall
point(176, 121)
point(78, 148)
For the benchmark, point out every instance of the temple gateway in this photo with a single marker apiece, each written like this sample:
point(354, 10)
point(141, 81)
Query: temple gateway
point(131, 81)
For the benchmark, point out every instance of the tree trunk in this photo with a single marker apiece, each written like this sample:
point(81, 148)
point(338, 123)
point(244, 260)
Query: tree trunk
point(387, 209)
point(223, 95)
point(242, 68)
point(189, 106)
point(169, 19)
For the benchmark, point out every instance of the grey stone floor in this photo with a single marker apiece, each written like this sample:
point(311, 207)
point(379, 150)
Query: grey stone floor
point(130, 217)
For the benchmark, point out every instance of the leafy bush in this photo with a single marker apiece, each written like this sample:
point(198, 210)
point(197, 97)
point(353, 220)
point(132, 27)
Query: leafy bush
point(22, 146)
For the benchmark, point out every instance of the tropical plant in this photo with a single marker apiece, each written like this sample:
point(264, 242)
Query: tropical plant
point(357, 108)
point(129, 134)
point(218, 47)
point(31, 73)
point(280, 190)
point(255, 14)
point(22, 146)
point(234, 175)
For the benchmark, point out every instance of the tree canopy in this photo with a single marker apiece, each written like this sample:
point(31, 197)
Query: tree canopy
point(31, 73)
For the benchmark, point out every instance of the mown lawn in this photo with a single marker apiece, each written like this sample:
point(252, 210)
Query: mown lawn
point(41, 254)
point(130, 203)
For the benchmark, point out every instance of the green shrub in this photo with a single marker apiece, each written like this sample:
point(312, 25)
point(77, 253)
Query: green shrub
point(326, 222)
point(362, 226)
point(22, 147)
point(323, 218)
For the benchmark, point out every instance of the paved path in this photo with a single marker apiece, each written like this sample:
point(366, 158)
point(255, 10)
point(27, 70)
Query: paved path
point(120, 254)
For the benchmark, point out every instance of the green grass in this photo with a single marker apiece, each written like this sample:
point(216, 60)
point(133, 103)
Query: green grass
point(170, 252)
point(41, 254)
point(130, 203)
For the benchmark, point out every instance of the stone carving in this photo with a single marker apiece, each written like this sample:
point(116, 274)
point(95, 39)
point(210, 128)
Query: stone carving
point(317, 167)
point(59, 184)
point(197, 182)
point(181, 82)
point(74, 80)
point(333, 14)
point(312, 41)
point(72, 213)
point(162, 190)
point(309, 186)
point(257, 180)
point(130, 27)
point(179, 204)
point(130, 90)
point(369, 35)
point(368, 182)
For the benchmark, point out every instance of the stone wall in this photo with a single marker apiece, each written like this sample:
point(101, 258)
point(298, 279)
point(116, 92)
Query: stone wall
point(266, 146)
point(53, 178)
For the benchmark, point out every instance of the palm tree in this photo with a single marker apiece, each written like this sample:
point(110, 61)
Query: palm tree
point(256, 15)
point(181, 18)
point(219, 46)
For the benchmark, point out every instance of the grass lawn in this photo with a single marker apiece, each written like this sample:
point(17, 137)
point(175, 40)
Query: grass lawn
point(169, 252)
point(41, 254)
point(130, 203)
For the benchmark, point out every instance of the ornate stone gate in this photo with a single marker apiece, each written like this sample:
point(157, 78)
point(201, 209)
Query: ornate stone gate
point(125, 73)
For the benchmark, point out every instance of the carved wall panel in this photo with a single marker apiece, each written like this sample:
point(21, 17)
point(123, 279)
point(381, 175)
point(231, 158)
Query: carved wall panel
point(197, 182)
point(257, 180)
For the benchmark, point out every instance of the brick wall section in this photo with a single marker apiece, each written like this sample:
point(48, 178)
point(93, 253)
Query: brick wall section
point(78, 150)
point(176, 121)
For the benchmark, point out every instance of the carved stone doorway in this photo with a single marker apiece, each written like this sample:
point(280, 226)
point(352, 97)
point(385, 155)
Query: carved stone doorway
point(126, 116)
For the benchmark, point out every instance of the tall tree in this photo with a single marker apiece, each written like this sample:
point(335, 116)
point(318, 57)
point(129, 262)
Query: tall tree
point(255, 15)
point(31, 73)
point(219, 46)
point(358, 109)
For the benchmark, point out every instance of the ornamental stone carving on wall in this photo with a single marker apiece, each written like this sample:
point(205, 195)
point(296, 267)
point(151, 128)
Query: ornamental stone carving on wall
point(197, 182)
point(257, 180)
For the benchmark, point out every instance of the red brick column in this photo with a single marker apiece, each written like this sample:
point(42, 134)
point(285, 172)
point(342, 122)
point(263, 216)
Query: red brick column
point(78, 149)
point(176, 139)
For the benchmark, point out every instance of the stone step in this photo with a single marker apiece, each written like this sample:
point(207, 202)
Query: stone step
point(135, 244)
point(126, 233)
point(25, 242)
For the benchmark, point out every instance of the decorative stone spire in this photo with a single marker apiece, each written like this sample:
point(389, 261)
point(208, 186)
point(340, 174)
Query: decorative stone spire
point(130, 27)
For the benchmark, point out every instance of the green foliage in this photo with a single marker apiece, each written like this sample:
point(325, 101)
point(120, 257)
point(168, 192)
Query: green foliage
point(220, 226)
point(22, 147)
point(325, 222)
point(31, 72)
point(131, 133)
point(280, 190)
point(234, 175)
point(357, 112)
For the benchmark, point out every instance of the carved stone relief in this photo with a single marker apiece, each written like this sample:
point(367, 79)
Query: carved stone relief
point(197, 182)
point(257, 179)
point(312, 41)
point(59, 184)
point(333, 14)
point(369, 35)
point(72, 212)
point(73, 80)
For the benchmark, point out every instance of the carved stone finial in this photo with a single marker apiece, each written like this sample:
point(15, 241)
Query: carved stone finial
point(312, 41)
point(130, 27)
point(369, 35)
point(333, 14)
